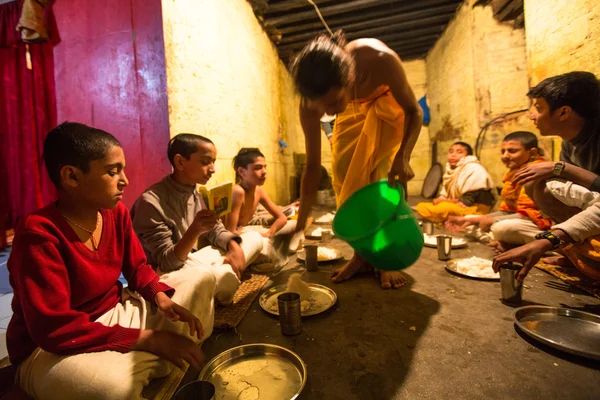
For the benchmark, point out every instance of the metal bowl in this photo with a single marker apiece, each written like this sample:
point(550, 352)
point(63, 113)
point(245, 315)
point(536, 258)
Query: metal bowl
point(264, 370)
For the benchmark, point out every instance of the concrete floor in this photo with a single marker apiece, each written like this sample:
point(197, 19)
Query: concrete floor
point(464, 345)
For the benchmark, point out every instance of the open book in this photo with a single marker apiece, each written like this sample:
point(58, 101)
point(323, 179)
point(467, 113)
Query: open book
point(218, 198)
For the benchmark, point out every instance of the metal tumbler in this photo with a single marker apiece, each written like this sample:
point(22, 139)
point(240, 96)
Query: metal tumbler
point(289, 313)
point(197, 390)
point(311, 252)
point(444, 247)
point(427, 227)
point(326, 236)
point(512, 291)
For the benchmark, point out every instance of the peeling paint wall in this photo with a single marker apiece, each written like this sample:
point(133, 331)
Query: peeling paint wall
point(225, 81)
point(421, 157)
point(477, 71)
point(562, 36)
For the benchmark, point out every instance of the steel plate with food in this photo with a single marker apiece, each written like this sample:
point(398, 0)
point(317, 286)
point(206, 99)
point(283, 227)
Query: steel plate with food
point(431, 241)
point(256, 371)
point(474, 267)
point(324, 254)
point(321, 299)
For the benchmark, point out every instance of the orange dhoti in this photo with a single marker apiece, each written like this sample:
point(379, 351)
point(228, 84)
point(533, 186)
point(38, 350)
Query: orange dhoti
point(586, 256)
point(366, 137)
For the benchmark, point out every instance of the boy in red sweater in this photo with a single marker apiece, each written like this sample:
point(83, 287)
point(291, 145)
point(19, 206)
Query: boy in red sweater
point(75, 332)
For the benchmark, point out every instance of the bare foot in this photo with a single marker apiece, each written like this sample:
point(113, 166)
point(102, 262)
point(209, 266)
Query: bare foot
point(356, 265)
point(391, 279)
point(500, 247)
point(561, 261)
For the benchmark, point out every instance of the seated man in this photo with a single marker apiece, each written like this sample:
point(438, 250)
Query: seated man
point(467, 187)
point(76, 333)
point(172, 221)
point(518, 220)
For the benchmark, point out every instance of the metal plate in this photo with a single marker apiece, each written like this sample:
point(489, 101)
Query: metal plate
point(572, 331)
point(338, 255)
point(316, 220)
point(454, 246)
point(451, 267)
point(322, 299)
point(317, 237)
point(255, 371)
point(432, 181)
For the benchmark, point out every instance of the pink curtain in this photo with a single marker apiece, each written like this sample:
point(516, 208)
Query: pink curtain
point(27, 113)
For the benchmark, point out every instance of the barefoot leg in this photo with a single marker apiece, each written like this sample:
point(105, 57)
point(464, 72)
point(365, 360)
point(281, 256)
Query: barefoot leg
point(561, 261)
point(501, 247)
point(392, 279)
point(356, 265)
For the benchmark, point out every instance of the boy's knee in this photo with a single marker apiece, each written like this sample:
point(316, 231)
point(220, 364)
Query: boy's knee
point(501, 229)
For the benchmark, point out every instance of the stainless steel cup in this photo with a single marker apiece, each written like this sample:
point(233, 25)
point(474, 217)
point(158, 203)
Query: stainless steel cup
point(289, 313)
point(512, 291)
point(198, 390)
point(326, 236)
point(311, 257)
point(427, 227)
point(444, 247)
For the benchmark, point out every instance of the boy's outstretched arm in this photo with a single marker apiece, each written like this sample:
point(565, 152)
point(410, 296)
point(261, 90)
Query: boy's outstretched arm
point(274, 210)
point(236, 206)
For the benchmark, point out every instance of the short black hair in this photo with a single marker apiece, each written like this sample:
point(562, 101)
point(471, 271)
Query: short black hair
point(527, 139)
point(72, 143)
point(467, 147)
point(321, 65)
point(579, 90)
point(245, 157)
point(185, 144)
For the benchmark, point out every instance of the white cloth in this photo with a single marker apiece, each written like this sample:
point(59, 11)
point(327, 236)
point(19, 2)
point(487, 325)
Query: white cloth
point(272, 257)
point(113, 375)
point(211, 259)
point(469, 175)
point(584, 224)
point(515, 231)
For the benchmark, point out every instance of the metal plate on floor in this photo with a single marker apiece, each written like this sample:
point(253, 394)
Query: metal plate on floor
point(431, 241)
point(572, 331)
point(335, 255)
point(256, 371)
point(315, 234)
point(451, 266)
point(321, 300)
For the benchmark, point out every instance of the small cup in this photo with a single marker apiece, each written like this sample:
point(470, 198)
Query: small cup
point(311, 252)
point(444, 247)
point(197, 390)
point(289, 313)
point(427, 227)
point(326, 236)
point(512, 291)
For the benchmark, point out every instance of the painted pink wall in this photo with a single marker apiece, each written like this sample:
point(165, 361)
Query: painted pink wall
point(110, 73)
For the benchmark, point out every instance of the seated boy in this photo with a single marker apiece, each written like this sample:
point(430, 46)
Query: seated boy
point(175, 227)
point(76, 333)
point(251, 172)
point(518, 220)
point(467, 187)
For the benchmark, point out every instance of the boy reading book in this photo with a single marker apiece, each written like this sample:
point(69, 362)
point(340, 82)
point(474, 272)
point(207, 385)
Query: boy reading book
point(76, 333)
point(176, 228)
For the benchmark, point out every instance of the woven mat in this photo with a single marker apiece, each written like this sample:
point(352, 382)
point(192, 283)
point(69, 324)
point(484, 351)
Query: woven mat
point(230, 316)
point(164, 388)
point(571, 276)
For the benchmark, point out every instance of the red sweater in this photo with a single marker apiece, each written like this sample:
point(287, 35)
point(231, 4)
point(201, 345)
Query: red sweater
point(61, 287)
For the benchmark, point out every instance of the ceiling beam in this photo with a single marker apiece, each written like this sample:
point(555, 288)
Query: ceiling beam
point(402, 42)
point(406, 21)
point(438, 7)
point(379, 33)
point(289, 5)
point(325, 11)
point(511, 11)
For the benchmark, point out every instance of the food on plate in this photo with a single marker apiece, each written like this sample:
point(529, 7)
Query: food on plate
point(326, 254)
point(475, 267)
point(319, 232)
point(431, 240)
point(325, 219)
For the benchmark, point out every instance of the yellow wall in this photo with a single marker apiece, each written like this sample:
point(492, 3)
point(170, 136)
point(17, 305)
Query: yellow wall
point(421, 156)
point(562, 36)
point(225, 81)
point(478, 71)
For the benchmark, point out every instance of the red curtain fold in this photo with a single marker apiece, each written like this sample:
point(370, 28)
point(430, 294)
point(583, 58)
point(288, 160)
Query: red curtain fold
point(27, 113)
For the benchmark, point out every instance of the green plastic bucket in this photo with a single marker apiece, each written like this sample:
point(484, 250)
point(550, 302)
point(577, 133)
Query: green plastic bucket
point(380, 226)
